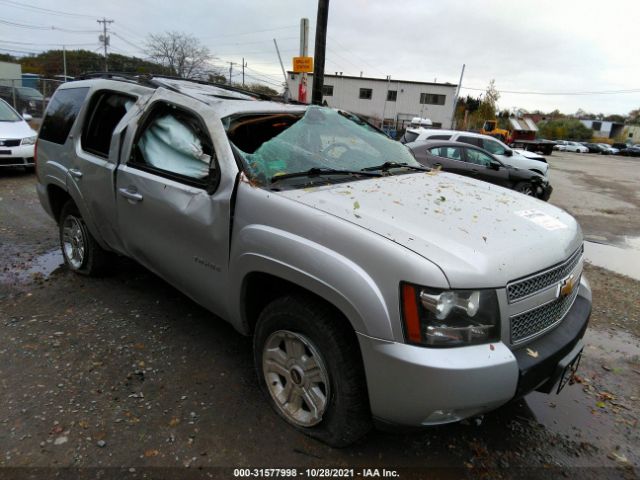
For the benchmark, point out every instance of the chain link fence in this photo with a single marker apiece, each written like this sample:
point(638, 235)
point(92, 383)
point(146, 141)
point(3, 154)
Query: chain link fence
point(29, 96)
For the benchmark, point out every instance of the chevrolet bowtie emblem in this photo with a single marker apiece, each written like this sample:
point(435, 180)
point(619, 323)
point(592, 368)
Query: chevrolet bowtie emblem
point(566, 286)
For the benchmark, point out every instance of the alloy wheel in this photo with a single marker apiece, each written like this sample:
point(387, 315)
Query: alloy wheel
point(73, 242)
point(296, 377)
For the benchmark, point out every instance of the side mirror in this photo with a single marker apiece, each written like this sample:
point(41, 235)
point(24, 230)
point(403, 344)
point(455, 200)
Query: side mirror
point(26, 117)
point(508, 152)
point(495, 165)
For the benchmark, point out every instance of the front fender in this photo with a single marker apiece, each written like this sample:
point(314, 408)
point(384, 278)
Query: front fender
point(314, 267)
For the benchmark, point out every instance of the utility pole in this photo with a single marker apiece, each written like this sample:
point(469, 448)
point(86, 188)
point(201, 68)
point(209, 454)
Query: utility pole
point(64, 61)
point(304, 52)
point(286, 94)
point(231, 64)
point(243, 65)
point(104, 38)
point(455, 100)
point(319, 51)
point(386, 97)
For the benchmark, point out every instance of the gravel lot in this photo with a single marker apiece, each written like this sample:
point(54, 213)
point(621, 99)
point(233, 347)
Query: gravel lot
point(126, 372)
point(601, 191)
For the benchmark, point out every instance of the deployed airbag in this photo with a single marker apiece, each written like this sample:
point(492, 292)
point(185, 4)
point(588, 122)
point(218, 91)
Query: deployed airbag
point(171, 145)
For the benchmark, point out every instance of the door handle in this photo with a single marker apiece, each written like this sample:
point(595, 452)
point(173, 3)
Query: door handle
point(129, 195)
point(75, 173)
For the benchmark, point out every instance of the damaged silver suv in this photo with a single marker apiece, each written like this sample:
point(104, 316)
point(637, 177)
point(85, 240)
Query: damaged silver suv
point(375, 289)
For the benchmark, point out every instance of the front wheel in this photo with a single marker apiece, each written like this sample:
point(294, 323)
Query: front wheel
point(81, 252)
point(309, 365)
point(525, 188)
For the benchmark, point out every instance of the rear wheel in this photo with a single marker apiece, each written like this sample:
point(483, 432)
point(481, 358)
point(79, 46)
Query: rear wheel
point(81, 252)
point(309, 365)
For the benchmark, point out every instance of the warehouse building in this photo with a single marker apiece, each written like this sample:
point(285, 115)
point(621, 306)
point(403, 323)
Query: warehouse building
point(397, 101)
point(603, 129)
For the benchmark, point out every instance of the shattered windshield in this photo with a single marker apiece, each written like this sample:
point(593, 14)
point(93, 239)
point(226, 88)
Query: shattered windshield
point(318, 138)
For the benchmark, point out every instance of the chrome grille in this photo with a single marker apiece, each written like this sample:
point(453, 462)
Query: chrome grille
point(528, 324)
point(528, 286)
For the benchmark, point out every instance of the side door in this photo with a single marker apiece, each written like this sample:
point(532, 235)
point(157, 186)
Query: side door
point(450, 158)
point(484, 167)
point(92, 168)
point(172, 200)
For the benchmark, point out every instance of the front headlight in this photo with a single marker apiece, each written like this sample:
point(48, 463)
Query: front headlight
point(29, 140)
point(449, 318)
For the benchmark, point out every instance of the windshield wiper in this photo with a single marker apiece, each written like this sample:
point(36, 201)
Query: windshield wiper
point(386, 166)
point(316, 172)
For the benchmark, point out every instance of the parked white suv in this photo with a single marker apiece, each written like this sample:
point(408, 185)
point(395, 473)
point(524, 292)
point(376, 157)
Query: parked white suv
point(494, 146)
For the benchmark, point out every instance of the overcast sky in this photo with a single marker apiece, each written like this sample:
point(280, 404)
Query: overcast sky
point(559, 46)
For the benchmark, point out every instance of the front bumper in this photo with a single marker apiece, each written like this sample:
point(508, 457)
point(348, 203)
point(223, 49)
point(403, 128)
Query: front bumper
point(415, 386)
point(544, 191)
point(17, 156)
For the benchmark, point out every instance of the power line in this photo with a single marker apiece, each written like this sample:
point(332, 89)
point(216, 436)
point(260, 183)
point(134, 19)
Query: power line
point(263, 81)
point(355, 55)
point(236, 44)
point(359, 67)
point(257, 72)
point(265, 78)
point(47, 44)
point(18, 51)
point(520, 92)
point(131, 44)
point(49, 11)
point(250, 33)
point(131, 32)
point(43, 27)
point(257, 52)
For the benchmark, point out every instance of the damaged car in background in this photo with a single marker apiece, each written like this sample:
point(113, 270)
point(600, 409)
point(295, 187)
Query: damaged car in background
point(375, 290)
point(465, 159)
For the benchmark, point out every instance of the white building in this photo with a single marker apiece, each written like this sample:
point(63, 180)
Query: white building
point(603, 128)
point(398, 100)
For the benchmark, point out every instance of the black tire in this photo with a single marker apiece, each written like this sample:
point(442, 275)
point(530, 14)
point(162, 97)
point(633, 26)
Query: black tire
point(526, 188)
point(95, 260)
point(346, 417)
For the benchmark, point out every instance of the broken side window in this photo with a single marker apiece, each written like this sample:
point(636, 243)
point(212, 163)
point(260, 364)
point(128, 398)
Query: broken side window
point(106, 111)
point(174, 141)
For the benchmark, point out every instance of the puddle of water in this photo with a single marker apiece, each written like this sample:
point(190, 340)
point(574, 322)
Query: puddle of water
point(569, 413)
point(42, 266)
point(573, 412)
point(625, 261)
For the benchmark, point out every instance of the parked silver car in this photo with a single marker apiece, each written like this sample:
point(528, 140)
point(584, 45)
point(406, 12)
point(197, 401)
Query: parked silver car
point(374, 289)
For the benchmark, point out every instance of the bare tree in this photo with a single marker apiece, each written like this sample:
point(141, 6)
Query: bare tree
point(180, 52)
point(488, 105)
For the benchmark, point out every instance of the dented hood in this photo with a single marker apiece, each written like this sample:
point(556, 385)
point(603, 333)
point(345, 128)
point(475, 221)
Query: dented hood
point(479, 234)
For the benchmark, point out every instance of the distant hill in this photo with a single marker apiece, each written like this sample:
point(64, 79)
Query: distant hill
point(50, 63)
